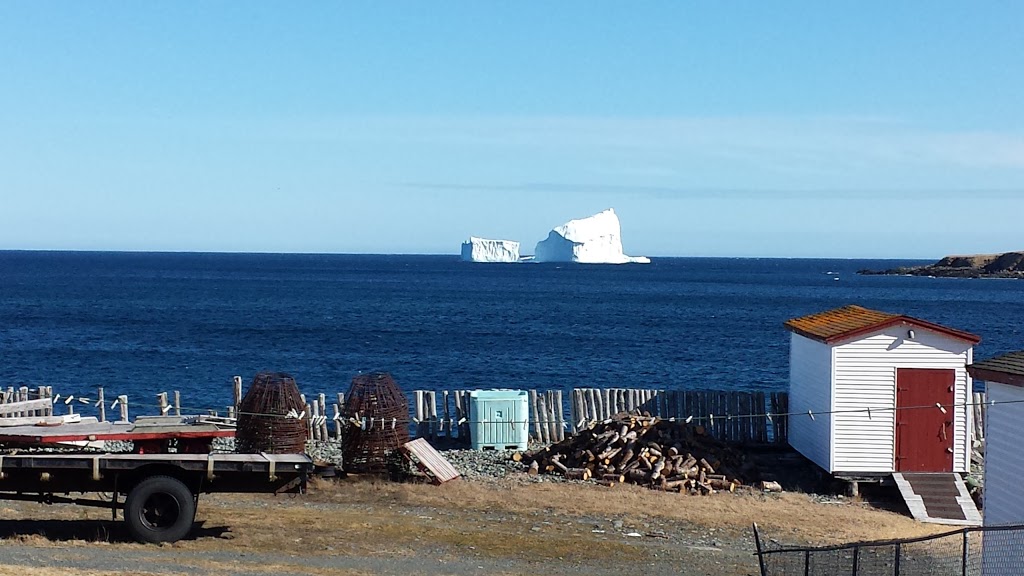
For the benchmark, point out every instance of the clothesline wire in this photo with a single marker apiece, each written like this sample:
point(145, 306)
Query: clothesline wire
point(710, 417)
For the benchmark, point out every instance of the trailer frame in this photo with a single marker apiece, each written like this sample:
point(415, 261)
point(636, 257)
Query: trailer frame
point(161, 491)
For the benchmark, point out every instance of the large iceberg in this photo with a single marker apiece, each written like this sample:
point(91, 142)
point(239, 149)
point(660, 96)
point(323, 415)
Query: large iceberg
point(593, 240)
point(485, 250)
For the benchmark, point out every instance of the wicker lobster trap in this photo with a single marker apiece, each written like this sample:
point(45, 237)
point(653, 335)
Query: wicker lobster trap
point(376, 417)
point(271, 417)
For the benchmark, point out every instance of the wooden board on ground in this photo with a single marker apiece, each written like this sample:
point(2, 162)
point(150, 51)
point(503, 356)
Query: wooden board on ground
point(429, 461)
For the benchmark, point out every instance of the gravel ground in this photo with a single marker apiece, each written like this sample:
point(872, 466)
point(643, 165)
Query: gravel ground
point(691, 548)
point(473, 464)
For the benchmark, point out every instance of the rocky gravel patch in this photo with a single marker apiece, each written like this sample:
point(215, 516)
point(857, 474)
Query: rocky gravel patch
point(485, 464)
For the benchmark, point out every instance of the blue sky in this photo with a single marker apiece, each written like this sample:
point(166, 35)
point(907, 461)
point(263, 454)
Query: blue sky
point(845, 129)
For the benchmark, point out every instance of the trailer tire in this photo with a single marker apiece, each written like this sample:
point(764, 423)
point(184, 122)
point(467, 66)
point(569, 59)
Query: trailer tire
point(160, 509)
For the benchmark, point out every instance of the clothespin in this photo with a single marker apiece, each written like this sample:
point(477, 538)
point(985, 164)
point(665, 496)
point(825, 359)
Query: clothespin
point(809, 413)
point(165, 410)
point(97, 403)
point(393, 422)
point(84, 400)
point(940, 407)
point(689, 419)
point(371, 423)
point(712, 417)
point(337, 417)
point(363, 422)
point(69, 399)
point(55, 398)
point(302, 415)
point(769, 417)
point(869, 413)
point(115, 403)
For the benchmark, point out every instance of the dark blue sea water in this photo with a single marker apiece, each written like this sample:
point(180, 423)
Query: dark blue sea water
point(142, 323)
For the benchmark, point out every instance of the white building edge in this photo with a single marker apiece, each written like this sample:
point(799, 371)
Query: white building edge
point(1004, 459)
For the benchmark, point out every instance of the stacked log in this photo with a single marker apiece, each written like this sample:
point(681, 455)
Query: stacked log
point(638, 448)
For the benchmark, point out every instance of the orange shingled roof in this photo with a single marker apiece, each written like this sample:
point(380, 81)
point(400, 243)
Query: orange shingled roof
point(851, 321)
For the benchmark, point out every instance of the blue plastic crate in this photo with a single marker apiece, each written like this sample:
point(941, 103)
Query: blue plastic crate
point(498, 419)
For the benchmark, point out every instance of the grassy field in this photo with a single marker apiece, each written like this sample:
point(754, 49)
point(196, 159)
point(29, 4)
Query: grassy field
point(370, 527)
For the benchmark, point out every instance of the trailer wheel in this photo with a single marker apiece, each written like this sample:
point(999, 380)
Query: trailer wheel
point(160, 509)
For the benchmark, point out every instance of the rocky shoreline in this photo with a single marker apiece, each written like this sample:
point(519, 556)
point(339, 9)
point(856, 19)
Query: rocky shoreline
point(1005, 265)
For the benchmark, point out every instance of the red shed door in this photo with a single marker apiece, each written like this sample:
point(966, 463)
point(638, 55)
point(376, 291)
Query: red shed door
point(924, 434)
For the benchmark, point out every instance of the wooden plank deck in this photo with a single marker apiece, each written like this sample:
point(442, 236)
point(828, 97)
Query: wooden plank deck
point(93, 431)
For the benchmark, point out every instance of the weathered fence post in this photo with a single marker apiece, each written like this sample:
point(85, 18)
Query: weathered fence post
point(447, 418)
point(459, 413)
point(101, 404)
point(418, 396)
point(542, 410)
point(314, 418)
point(432, 413)
point(559, 415)
point(324, 435)
point(122, 402)
point(237, 390)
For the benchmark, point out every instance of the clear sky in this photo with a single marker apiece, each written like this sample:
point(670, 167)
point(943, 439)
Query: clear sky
point(846, 129)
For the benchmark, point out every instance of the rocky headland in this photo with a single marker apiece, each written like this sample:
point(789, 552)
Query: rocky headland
point(1005, 265)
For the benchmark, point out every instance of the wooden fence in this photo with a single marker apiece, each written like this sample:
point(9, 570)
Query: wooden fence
point(758, 417)
point(732, 416)
point(17, 404)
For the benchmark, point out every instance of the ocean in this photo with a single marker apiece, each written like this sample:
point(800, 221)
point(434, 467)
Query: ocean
point(143, 323)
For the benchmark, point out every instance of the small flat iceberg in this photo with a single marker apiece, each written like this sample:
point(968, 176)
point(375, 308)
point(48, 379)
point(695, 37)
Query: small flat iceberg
point(487, 250)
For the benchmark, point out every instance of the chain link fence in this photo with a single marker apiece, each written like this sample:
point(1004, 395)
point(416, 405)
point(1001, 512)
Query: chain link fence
point(974, 551)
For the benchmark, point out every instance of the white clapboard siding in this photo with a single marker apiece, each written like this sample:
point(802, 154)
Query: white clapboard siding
point(1004, 459)
point(865, 377)
point(1004, 467)
point(810, 386)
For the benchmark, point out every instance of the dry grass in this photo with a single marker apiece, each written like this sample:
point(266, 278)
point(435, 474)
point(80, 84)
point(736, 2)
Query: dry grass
point(507, 523)
point(788, 516)
point(63, 571)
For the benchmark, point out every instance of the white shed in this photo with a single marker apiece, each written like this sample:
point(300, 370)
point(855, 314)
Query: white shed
point(872, 393)
point(1004, 458)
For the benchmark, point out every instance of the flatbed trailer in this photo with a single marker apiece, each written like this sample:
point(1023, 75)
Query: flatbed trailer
point(158, 493)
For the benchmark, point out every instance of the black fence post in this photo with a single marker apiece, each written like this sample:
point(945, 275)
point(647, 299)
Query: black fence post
point(807, 563)
point(896, 561)
point(856, 559)
point(967, 545)
point(760, 554)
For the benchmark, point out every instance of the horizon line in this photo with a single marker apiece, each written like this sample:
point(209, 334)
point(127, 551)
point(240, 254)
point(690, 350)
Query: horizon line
point(439, 254)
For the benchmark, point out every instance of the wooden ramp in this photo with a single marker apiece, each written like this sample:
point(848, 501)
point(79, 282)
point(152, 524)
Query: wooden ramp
point(429, 461)
point(940, 498)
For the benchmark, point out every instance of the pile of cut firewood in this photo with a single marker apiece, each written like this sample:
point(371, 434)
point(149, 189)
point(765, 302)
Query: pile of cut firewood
point(641, 449)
